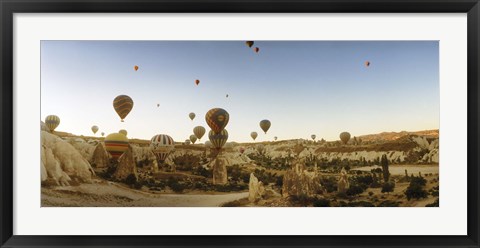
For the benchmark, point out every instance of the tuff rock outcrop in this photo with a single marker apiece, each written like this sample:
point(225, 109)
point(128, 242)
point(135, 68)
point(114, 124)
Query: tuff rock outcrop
point(298, 181)
point(220, 170)
point(256, 190)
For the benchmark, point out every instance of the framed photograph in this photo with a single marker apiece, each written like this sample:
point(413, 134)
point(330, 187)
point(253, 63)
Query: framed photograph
point(237, 123)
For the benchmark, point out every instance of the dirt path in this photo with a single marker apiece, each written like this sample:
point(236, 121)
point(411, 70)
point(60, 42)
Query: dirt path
point(114, 195)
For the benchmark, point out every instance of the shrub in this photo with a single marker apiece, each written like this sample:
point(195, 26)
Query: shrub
point(388, 187)
point(355, 190)
point(416, 191)
point(388, 204)
point(321, 202)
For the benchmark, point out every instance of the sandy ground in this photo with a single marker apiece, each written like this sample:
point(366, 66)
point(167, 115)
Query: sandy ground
point(107, 194)
point(400, 169)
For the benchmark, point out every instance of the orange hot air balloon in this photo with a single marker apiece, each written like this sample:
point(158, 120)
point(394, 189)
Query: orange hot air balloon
point(257, 49)
point(367, 63)
point(197, 82)
point(135, 68)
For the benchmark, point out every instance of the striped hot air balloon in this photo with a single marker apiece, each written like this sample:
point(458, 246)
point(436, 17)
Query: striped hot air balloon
point(199, 131)
point(122, 104)
point(193, 138)
point(52, 122)
point(116, 144)
point(218, 139)
point(217, 119)
point(161, 145)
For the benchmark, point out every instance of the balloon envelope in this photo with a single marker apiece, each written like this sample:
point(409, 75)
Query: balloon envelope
point(123, 131)
point(199, 131)
point(257, 49)
point(265, 125)
point(313, 136)
point(218, 139)
point(52, 122)
point(217, 119)
point(367, 63)
point(122, 104)
point(192, 116)
point(94, 129)
point(116, 144)
point(249, 43)
point(253, 135)
point(193, 138)
point(345, 137)
point(161, 145)
point(135, 68)
point(197, 82)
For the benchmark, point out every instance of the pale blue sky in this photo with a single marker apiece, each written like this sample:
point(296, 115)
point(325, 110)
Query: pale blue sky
point(302, 87)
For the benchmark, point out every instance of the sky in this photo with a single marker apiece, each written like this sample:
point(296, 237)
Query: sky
point(302, 87)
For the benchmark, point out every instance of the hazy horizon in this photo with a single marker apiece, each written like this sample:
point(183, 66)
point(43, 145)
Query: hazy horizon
point(302, 87)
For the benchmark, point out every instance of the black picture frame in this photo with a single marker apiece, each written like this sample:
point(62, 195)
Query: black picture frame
point(9, 7)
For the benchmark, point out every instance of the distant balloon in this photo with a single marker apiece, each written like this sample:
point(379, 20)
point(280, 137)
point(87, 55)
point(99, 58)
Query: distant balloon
point(116, 144)
point(217, 119)
point(367, 63)
point(218, 139)
point(192, 116)
point(193, 138)
point(94, 129)
point(249, 43)
point(123, 131)
point(313, 136)
point(199, 131)
point(158, 105)
point(103, 134)
point(226, 96)
point(187, 142)
point(123, 104)
point(253, 135)
point(161, 145)
point(197, 82)
point(257, 49)
point(265, 125)
point(52, 122)
point(241, 150)
point(345, 137)
point(275, 138)
point(135, 68)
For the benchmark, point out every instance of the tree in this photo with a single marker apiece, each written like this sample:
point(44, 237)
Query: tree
point(384, 163)
point(415, 189)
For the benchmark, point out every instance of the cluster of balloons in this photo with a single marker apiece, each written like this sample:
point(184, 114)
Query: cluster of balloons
point(217, 119)
point(250, 44)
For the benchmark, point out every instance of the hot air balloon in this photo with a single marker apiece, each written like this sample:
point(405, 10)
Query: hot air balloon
point(265, 125)
point(208, 144)
point(367, 63)
point(199, 131)
point(135, 68)
point(345, 137)
point(249, 43)
point(161, 145)
point(218, 139)
point(217, 119)
point(253, 135)
point(313, 136)
point(241, 150)
point(193, 138)
point(158, 105)
point(94, 129)
point(123, 131)
point(275, 138)
point(197, 82)
point(192, 116)
point(226, 96)
point(52, 122)
point(123, 104)
point(103, 134)
point(116, 144)
point(187, 142)
point(257, 49)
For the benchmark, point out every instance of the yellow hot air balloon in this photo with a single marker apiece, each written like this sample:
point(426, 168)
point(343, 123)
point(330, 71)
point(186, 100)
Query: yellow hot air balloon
point(123, 131)
point(192, 116)
point(52, 122)
point(253, 135)
point(122, 104)
point(116, 144)
point(193, 138)
point(345, 137)
point(265, 125)
point(94, 129)
point(199, 131)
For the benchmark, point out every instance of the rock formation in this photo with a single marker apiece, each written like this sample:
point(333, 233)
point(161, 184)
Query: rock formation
point(256, 190)
point(220, 170)
point(343, 183)
point(126, 166)
point(298, 181)
point(100, 157)
point(61, 162)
